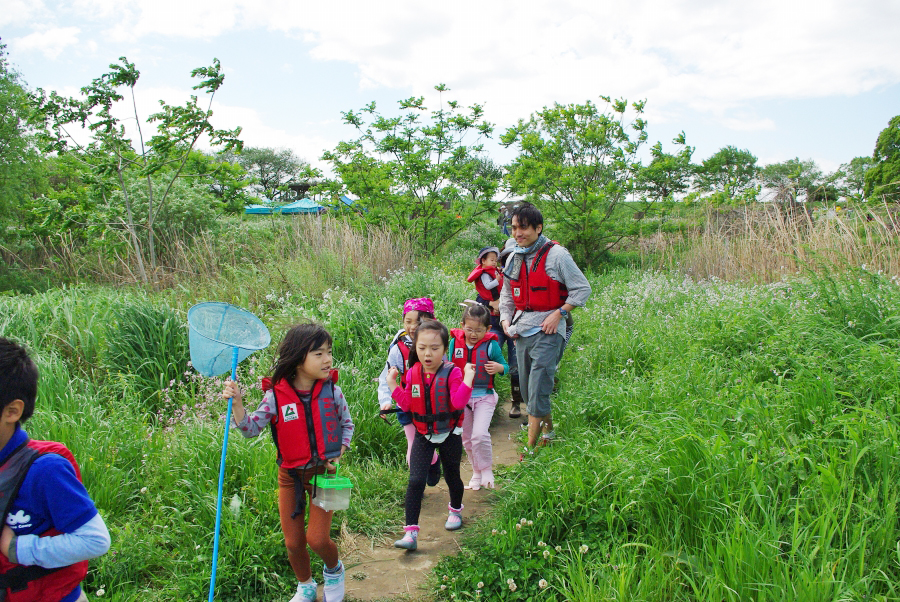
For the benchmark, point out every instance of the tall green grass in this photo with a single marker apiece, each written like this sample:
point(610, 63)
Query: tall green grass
point(718, 442)
point(116, 388)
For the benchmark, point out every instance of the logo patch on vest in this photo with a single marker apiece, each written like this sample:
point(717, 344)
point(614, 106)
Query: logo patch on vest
point(289, 412)
point(19, 520)
point(517, 292)
point(416, 391)
point(458, 352)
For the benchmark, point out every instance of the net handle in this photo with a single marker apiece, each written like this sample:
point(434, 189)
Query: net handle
point(215, 556)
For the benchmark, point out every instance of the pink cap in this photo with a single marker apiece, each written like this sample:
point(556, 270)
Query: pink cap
point(423, 304)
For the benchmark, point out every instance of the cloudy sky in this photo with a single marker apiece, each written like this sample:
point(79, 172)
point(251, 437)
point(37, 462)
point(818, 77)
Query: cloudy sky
point(783, 78)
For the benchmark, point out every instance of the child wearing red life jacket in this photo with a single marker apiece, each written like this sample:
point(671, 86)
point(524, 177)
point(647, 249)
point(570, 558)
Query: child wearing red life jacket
point(51, 527)
point(311, 426)
point(474, 344)
point(414, 311)
point(435, 393)
point(488, 280)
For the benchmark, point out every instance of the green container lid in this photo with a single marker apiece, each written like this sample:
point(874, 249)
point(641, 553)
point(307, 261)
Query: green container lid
point(327, 481)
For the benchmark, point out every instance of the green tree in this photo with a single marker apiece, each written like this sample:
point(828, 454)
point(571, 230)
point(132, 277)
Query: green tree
point(730, 174)
point(796, 181)
point(578, 162)
point(852, 178)
point(413, 172)
point(667, 174)
point(112, 156)
point(883, 178)
point(225, 180)
point(271, 171)
point(21, 175)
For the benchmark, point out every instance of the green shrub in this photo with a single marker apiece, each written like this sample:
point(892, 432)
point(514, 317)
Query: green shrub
point(147, 349)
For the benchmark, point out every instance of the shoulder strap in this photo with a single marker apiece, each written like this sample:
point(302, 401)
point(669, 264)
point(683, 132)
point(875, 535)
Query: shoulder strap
point(12, 473)
point(539, 257)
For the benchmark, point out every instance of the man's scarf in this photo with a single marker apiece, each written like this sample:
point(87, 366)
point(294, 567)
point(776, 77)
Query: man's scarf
point(519, 254)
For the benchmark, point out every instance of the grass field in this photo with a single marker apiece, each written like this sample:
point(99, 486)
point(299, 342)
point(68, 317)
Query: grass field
point(718, 440)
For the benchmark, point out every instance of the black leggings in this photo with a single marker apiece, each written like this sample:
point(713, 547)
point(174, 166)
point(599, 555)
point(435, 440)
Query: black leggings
point(450, 452)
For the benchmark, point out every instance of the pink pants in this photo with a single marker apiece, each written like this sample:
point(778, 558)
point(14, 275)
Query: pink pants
point(476, 438)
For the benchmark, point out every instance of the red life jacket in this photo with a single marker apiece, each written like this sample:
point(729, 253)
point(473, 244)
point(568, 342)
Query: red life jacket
point(534, 289)
point(477, 355)
point(430, 406)
point(405, 347)
point(486, 293)
point(306, 433)
point(34, 583)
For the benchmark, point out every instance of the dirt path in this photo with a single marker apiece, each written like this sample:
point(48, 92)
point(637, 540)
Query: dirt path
point(382, 572)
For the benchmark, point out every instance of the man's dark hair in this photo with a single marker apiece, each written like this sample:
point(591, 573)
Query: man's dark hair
point(528, 215)
point(18, 377)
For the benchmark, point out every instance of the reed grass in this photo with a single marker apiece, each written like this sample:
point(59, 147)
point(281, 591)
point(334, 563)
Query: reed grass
point(767, 243)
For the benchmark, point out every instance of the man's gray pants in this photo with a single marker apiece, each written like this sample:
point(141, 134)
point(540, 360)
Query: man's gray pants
point(537, 358)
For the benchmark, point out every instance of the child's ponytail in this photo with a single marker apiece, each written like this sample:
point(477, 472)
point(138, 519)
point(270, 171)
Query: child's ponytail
point(477, 312)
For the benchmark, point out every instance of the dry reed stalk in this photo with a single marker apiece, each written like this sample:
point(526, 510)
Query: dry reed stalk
point(767, 243)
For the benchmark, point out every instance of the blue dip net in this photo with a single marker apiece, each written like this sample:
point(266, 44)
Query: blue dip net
point(216, 329)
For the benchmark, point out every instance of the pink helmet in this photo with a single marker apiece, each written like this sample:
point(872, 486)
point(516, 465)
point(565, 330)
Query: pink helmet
point(423, 304)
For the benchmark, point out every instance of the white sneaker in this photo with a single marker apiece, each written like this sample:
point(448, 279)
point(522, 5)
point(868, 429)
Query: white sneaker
point(487, 478)
point(334, 585)
point(306, 592)
point(475, 481)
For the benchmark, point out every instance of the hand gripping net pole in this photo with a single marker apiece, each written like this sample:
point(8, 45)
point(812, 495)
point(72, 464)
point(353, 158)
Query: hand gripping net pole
point(221, 336)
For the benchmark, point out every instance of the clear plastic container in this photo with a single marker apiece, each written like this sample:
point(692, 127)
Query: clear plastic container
point(332, 492)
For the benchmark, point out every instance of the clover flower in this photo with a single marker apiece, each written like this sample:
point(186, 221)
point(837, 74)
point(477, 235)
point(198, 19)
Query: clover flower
point(543, 584)
point(583, 549)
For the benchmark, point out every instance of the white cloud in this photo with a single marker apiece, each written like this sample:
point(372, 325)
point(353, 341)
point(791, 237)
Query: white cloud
point(710, 56)
point(17, 12)
point(747, 123)
point(50, 41)
point(705, 54)
point(685, 56)
point(256, 131)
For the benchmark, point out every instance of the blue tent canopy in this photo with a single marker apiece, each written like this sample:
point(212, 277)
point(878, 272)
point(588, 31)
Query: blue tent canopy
point(302, 206)
point(258, 209)
point(307, 206)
